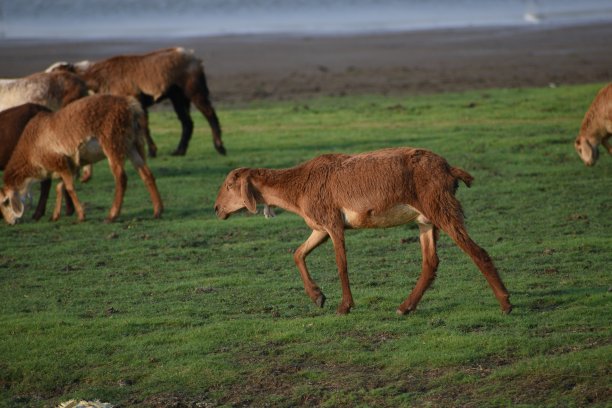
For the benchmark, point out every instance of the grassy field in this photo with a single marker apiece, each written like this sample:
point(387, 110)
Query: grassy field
point(196, 312)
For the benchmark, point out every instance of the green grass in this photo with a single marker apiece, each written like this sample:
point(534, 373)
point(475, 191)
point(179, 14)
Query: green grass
point(190, 309)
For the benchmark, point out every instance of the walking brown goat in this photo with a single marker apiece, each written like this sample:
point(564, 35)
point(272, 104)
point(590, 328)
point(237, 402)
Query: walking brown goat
point(384, 188)
point(81, 133)
point(596, 127)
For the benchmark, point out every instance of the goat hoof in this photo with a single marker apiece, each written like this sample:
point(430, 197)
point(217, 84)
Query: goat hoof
point(404, 312)
point(221, 149)
point(344, 309)
point(507, 309)
point(37, 216)
point(320, 300)
point(179, 152)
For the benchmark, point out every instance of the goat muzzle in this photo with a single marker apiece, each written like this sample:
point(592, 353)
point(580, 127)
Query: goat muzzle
point(220, 213)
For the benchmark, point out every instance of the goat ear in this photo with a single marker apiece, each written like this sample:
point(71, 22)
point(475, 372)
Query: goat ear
point(248, 195)
point(17, 205)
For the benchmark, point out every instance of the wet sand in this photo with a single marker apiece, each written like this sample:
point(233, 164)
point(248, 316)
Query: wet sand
point(246, 68)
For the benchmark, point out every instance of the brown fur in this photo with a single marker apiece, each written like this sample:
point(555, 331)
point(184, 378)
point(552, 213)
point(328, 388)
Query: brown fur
point(169, 73)
point(50, 90)
point(378, 189)
point(12, 123)
point(81, 133)
point(596, 127)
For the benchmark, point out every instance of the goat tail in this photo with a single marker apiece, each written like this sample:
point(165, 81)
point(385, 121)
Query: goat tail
point(462, 175)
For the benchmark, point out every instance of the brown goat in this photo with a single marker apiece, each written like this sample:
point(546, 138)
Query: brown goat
point(380, 189)
point(52, 90)
point(596, 127)
point(12, 123)
point(81, 133)
point(172, 73)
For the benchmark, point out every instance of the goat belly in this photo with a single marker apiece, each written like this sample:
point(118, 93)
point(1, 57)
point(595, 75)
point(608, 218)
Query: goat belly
point(391, 217)
point(90, 152)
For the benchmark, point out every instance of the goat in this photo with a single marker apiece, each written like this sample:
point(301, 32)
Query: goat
point(56, 143)
point(379, 189)
point(596, 127)
point(50, 89)
point(12, 123)
point(172, 73)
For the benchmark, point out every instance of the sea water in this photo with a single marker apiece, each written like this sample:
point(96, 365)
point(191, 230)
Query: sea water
point(176, 18)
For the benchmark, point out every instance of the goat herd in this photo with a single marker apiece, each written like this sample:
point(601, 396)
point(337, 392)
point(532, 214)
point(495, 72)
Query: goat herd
point(56, 122)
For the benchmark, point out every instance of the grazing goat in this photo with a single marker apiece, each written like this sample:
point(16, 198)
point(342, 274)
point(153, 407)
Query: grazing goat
point(50, 89)
point(12, 123)
point(172, 73)
point(596, 127)
point(384, 188)
point(81, 133)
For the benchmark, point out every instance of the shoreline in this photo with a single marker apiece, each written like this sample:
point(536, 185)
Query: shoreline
point(242, 68)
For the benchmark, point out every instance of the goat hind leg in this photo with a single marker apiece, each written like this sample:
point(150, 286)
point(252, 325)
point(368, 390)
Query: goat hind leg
point(310, 286)
point(198, 94)
point(149, 180)
point(456, 230)
point(428, 235)
point(120, 186)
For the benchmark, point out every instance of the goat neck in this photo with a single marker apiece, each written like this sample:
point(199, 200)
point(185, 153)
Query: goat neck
point(271, 188)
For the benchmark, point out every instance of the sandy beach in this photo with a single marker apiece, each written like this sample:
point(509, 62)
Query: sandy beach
point(246, 68)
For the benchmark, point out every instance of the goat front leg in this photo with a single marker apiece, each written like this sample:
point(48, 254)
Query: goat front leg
point(144, 123)
point(68, 184)
point(87, 172)
point(45, 187)
point(428, 235)
point(337, 236)
point(310, 286)
point(606, 143)
point(181, 105)
point(59, 193)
